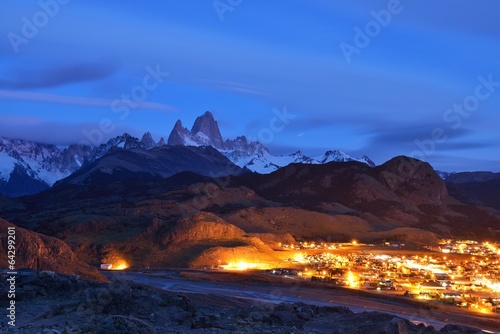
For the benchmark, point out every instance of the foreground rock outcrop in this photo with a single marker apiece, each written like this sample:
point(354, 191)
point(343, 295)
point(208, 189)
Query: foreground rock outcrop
point(40, 252)
point(53, 303)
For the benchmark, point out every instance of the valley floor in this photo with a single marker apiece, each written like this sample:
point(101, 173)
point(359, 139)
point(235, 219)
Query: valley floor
point(261, 289)
point(189, 301)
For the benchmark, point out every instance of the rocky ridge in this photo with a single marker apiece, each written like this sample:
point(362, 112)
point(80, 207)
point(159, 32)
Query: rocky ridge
point(40, 252)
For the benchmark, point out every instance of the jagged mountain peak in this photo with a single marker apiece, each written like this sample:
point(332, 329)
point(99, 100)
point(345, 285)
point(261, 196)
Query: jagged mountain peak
point(242, 139)
point(180, 136)
point(205, 127)
point(148, 141)
point(178, 124)
point(207, 115)
point(299, 157)
point(334, 155)
point(206, 119)
point(204, 132)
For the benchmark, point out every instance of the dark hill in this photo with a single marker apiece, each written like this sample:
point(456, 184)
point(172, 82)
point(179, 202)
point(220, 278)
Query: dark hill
point(477, 188)
point(159, 162)
point(401, 192)
point(352, 184)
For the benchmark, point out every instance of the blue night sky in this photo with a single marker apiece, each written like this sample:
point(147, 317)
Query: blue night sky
point(423, 80)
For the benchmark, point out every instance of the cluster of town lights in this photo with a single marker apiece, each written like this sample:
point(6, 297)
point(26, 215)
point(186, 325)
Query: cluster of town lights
point(471, 278)
point(469, 247)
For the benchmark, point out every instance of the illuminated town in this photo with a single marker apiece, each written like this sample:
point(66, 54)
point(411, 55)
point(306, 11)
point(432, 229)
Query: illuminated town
point(461, 273)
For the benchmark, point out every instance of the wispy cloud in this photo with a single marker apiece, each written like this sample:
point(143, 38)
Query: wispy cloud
point(54, 76)
point(76, 100)
point(235, 87)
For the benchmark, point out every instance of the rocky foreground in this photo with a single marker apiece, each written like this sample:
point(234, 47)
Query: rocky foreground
point(47, 302)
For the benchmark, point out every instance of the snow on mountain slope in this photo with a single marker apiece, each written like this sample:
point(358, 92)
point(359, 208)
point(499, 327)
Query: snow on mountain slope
point(268, 163)
point(6, 165)
point(252, 155)
point(265, 162)
point(335, 155)
point(42, 162)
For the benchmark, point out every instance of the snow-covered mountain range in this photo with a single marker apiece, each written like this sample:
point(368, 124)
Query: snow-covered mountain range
point(252, 155)
point(28, 167)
